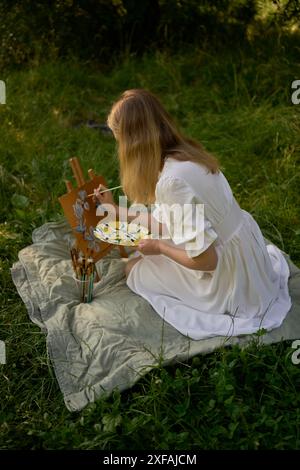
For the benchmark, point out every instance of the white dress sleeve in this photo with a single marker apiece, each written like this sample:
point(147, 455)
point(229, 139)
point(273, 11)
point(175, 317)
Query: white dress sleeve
point(183, 213)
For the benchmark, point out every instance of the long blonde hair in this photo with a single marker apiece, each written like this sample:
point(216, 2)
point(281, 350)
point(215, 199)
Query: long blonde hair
point(146, 135)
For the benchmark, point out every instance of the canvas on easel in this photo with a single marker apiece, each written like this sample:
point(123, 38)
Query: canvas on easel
point(80, 211)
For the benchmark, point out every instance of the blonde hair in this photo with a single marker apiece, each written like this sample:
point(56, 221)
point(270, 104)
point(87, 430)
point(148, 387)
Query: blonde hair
point(146, 135)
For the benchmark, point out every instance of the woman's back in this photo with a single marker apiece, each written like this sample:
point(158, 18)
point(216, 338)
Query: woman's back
point(210, 189)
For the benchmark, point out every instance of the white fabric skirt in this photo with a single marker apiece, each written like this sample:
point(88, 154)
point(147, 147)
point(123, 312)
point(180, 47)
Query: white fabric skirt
point(246, 292)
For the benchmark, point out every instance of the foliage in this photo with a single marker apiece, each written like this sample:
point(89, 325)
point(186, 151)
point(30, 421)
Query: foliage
point(99, 29)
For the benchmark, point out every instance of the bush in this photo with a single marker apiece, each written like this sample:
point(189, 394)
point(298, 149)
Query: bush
point(97, 29)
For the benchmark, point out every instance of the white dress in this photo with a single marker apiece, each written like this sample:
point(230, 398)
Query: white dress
point(247, 291)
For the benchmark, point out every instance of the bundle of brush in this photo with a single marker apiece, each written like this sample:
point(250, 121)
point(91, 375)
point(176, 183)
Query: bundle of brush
point(85, 274)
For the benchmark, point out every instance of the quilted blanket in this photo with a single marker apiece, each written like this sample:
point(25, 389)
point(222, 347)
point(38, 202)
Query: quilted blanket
point(118, 337)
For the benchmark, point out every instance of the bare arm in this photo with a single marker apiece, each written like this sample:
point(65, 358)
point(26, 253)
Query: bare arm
point(146, 219)
point(116, 212)
point(206, 261)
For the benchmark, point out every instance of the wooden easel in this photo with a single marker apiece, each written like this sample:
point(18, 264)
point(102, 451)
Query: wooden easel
point(80, 211)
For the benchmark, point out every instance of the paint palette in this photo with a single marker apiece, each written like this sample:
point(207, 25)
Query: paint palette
point(121, 233)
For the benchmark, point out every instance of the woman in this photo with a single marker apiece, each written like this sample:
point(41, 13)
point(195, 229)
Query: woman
point(216, 275)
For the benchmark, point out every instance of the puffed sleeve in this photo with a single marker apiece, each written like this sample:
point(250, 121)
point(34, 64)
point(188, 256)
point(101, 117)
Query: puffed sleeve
point(183, 213)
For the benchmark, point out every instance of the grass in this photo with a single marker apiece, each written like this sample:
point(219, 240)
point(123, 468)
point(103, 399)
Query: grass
point(238, 104)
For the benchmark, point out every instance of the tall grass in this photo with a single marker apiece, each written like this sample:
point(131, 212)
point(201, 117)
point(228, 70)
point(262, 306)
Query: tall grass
point(237, 103)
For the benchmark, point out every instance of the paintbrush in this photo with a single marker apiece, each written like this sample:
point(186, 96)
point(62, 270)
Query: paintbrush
point(104, 191)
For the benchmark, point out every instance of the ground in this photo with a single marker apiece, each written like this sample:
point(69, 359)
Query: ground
point(238, 104)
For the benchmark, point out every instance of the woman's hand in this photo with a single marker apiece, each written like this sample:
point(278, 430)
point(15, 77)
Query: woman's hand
point(149, 247)
point(105, 198)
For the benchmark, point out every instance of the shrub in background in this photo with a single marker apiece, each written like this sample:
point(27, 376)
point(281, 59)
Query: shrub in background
point(97, 29)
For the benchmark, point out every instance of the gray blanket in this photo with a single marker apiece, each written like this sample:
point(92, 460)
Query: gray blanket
point(118, 337)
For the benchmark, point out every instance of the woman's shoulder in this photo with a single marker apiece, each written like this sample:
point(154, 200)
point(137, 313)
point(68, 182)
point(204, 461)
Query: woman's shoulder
point(182, 168)
point(188, 176)
point(175, 179)
point(185, 170)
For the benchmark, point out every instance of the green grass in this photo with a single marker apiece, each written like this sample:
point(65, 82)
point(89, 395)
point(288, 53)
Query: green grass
point(238, 104)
